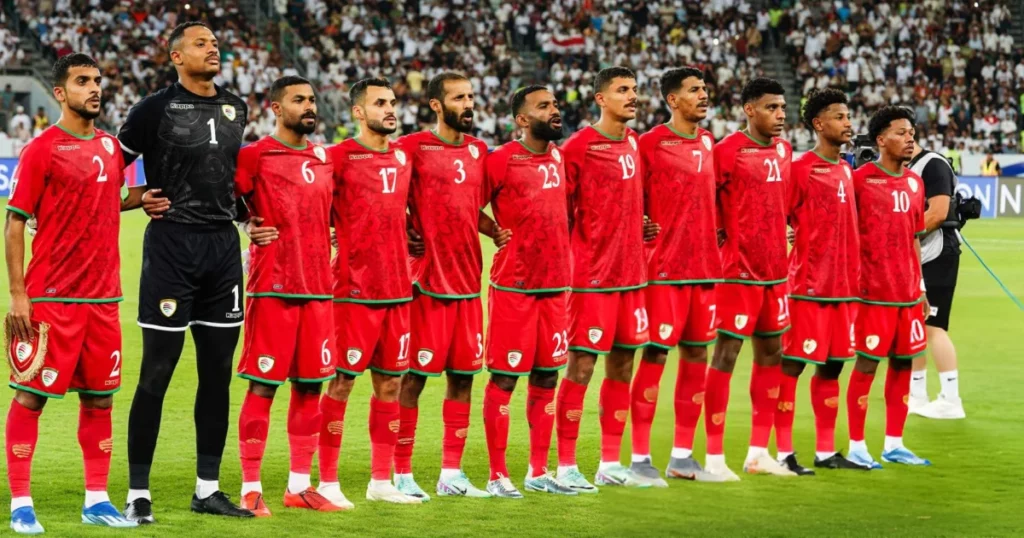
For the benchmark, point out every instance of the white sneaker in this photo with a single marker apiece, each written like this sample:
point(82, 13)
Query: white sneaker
point(943, 409)
point(916, 404)
point(721, 470)
point(332, 492)
point(763, 463)
point(387, 492)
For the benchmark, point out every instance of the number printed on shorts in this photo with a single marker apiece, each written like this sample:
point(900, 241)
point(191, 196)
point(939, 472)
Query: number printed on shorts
point(916, 331)
point(390, 178)
point(237, 307)
point(116, 370)
point(551, 177)
point(774, 173)
point(403, 347)
point(561, 344)
point(783, 310)
point(712, 309)
point(479, 345)
point(641, 319)
point(325, 354)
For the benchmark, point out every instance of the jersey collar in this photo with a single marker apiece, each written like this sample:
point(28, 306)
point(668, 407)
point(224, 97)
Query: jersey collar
point(287, 145)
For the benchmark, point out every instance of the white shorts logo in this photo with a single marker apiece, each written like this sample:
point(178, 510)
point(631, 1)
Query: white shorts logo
point(810, 346)
point(49, 376)
point(424, 357)
point(741, 321)
point(871, 341)
point(354, 355)
point(168, 307)
point(595, 334)
point(664, 331)
point(265, 363)
point(514, 357)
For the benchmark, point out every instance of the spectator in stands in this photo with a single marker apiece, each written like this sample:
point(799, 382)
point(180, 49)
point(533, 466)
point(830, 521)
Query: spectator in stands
point(40, 122)
point(20, 121)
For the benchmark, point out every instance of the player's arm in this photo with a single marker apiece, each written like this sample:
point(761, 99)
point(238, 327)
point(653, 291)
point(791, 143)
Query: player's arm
point(136, 137)
point(572, 172)
point(20, 314)
point(494, 172)
point(246, 176)
point(938, 188)
point(924, 291)
point(651, 228)
point(721, 178)
point(417, 247)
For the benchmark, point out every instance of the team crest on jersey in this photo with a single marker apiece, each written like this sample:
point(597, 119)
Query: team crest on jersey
point(108, 144)
point(664, 331)
point(741, 321)
point(354, 355)
point(474, 152)
point(265, 363)
point(594, 334)
point(320, 153)
point(632, 142)
point(168, 307)
point(424, 357)
point(706, 140)
point(400, 155)
point(781, 149)
point(913, 184)
point(229, 112)
point(809, 346)
point(514, 357)
point(847, 170)
point(871, 341)
point(49, 376)
point(556, 155)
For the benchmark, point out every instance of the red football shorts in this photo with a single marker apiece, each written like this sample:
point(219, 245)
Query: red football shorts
point(601, 320)
point(527, 332)
point(681, 314)
point(83, 350)
point(374, 336)
point(821, 331)
point(447, 334)
point(890, 331)
point(746, 310)
point(289, 339)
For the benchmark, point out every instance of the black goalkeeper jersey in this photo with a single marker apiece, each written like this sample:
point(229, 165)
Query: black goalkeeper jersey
point(190, 147)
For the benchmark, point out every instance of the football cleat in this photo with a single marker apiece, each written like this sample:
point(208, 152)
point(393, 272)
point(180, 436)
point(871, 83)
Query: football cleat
point(576, 481)
point(789, 462)
point(547, 483)
point(864, 459)
point(386, 492)
point(332, 492)
point(905, 456)
point(764, 464)
point(407, 485)
point(721, 471)
point(310, 499)
point(219, 504)
point(459, 486)
point(943, 409)
point(140, 510)
point(23, 521)
point(915, 404)
point(689, 469)
point(838, 461)
point(619, 475)
point(503, 488)
point(647, 474)
point(253, 502)
point(105, 515)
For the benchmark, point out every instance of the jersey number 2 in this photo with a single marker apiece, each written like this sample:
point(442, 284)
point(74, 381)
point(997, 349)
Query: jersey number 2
point(103, 175)
point(551, 178)
point(774, 173)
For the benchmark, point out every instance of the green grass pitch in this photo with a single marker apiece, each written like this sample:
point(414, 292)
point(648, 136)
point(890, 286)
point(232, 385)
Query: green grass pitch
point(973, 489)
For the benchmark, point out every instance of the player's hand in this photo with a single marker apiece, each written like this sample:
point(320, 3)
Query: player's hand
point(416, 246)
point(334, 238)
point(790, 235)
point(501, 236)
point(261, 235)
point(927, 309)
point(20, 316)
point(721, 237)
point(31, 226)
point(153, 204)
point(651, 229)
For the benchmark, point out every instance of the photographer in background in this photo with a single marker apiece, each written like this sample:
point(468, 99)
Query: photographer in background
point(940, 258)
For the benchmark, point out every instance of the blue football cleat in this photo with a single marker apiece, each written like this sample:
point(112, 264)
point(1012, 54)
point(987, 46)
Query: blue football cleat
point(23, 521)
point(863, 458)
point(104, 514)
point(905, 456)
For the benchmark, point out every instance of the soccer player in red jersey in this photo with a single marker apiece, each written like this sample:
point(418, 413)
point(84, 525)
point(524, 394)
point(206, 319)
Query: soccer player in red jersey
point(823, 279)
point(751, 169)
point(683, 267)
point(445, 196)
point(890, 322)
point(63, 328)
point(605, 193)
point(289, 333)
point(528, 333)
point(372, 288)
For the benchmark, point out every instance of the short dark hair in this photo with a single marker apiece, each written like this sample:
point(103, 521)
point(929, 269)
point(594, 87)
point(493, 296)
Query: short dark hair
point(757, 87)
point(606, 75)
point(519, 97)
point(819, 100)
point(883, 118)
point(672, 80)
point(65, 63)
point(435, 88)
point(358, 91)
point(277, 89)
point(179, 32)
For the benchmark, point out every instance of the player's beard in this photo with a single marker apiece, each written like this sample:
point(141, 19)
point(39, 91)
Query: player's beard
point(85, 113)
point(301, 128)
point(542, 130)
point(454, 120)
point(379, 128)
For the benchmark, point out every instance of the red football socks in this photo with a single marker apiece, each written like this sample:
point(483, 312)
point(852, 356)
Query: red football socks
point(643, 403)
point(764, 400)
point(21, 434)
point(568, 414)
point(784, 414)
point(384, 424)
point(540, 414)
point(496, 422)
point(456, 429)
point(614, 406)
point(689, 399)
point(716, 402)
point(857, 403)
point(408, 416)
point(303, 426)
point(332, 424)
point(253, 424)
point(897, 390)
point(96, 439)
point(825, 401)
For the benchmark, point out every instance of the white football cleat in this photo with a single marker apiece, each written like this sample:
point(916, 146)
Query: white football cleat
point(722, 471)
point(943, 409)
point(332, 492)
point(387, 492)
point(915, 405)
point(763, 463)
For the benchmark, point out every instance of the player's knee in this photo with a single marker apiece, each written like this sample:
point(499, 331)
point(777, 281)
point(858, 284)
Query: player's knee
point(792, 368)
point(544, 379)
point(96, 402)
point(506, 383)
point(412, 386)
point(655, 355)
point(307, 388)
point(155, 380)
point(29, 400)
point(829, 371)
point(619, 365)
point(900, 364)
point(340, 387)
point(696, 354)
point(262, 389)
point(459, 385)
point(865, 365)
point(386, 387)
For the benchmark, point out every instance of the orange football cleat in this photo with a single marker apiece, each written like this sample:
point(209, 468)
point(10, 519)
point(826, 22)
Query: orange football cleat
point(253, 501)
point(310, 499)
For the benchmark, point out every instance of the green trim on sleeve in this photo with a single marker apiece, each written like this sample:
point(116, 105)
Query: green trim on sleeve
point(75, 300)
point(16, 386)
point(21, 212)
point(530, 291)
point(922, 232)
point(259, 294)
point(95, 392)
point(442, 296)
point(261, 380)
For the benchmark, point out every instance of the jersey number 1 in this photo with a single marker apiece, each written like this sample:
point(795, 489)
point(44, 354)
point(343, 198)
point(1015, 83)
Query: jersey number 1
point(900, 202)
point(774, 173)
point(213, 131)
point(390, 178)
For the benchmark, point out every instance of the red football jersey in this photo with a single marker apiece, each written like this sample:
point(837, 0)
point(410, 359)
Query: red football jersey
point(751, 181)
point(890, 214)
point(824, 264)
point(445, 197)
point(527, 195)
point(72, 185)
point(370, 197)
point(604, 186)
point(291, 189)
point(679, 194)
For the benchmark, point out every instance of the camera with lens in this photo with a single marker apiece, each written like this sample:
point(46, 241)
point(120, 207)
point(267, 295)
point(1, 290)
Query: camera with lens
point(864, 150)
point(965, 209)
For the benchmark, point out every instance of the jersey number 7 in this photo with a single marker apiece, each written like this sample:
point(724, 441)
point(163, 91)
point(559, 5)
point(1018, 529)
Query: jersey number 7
point(390, 177)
